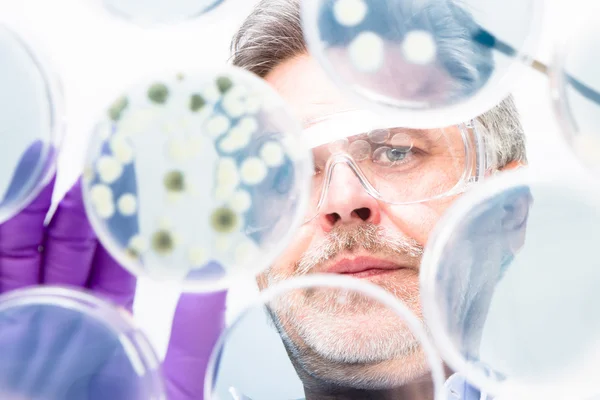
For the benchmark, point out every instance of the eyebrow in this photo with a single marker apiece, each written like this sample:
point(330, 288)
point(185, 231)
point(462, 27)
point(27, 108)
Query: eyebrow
point(422, 134)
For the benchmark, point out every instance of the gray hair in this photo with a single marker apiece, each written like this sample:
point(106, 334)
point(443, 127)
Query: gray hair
point(272, 34)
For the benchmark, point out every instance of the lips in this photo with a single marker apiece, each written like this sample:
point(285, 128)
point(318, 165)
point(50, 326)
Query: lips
point(362, 267)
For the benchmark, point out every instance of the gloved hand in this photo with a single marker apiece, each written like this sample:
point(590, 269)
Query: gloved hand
point(67, 252)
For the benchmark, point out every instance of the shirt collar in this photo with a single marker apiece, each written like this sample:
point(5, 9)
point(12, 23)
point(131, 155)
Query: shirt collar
point(457, 388)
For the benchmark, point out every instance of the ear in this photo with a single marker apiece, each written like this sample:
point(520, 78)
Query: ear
point(517, 205)
point(513, 165)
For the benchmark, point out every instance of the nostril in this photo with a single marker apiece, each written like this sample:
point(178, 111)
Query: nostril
point(363, 213)
point(333, 218)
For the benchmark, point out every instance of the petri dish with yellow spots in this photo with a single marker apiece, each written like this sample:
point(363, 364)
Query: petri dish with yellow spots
point(435, 63)
point(207, 169)
point(159, 11)
point(31, 120)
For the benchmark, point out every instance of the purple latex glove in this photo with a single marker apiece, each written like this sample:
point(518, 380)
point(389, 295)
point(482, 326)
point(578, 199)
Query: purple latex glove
point(73, 256)
point(71, 253)
point(199, 320)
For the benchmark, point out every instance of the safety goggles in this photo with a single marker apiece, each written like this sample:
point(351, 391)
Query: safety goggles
point(394, 165)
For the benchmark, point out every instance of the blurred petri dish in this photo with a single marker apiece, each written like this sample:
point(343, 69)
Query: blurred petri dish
point(31, 113)
point(63, 344)
point(211, 170)
point(509, 286)
point(159, 11)
point(576, 88)
point(435, 63)
point(332, 335)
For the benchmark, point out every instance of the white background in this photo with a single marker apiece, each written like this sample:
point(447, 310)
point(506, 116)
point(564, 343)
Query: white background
point(96, 55)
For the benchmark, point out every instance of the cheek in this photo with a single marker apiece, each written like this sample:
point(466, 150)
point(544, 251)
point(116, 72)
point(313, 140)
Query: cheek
point(284, 264)
point(418, 220)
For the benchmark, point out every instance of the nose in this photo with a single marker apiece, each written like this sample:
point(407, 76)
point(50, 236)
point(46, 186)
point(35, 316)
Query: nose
point(347, 201)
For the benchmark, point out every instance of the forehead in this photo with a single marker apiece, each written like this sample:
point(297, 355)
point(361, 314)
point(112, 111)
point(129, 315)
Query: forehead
point(307, 89)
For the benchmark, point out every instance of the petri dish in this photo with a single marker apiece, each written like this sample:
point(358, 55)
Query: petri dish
point(211, 170)
point(433, 63)
point(64, 344)
point(159, 11)
point(320, 336)
point(576, 89)
point(509, 281)
point(31, 121)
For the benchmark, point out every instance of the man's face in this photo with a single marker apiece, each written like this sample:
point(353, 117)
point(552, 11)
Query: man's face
point(358, 235)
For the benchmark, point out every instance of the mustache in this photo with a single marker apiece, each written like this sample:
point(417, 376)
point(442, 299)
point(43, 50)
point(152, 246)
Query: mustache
point(369, 237)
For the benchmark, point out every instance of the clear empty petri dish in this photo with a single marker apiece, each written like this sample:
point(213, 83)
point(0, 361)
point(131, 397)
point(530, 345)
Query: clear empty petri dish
point(31, 121)
point(209, 171)
point(509, 284)
point(576, 88)
point(323, 336)
point(63, 344)
point(435, 63)
point(159, 11)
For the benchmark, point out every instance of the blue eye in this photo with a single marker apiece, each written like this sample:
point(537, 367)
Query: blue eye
point(389, 156)
point(396, 154)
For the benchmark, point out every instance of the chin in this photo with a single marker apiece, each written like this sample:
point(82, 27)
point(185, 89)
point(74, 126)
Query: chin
point(348, 328)
point(367, 352)
point(349, 339)
point(406, 290)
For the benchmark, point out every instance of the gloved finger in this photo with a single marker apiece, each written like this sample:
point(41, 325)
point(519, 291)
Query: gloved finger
point(20, 241)
point(198, 323)
point(70, 243)
point(111, 281)
point(108, 277)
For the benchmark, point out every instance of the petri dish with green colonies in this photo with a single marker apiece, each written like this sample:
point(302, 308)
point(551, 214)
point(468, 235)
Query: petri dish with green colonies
point(433, 63)
point(65, 344)
point(179, 184)
point(306, 329)
point(158, 12)
point(31, 121)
